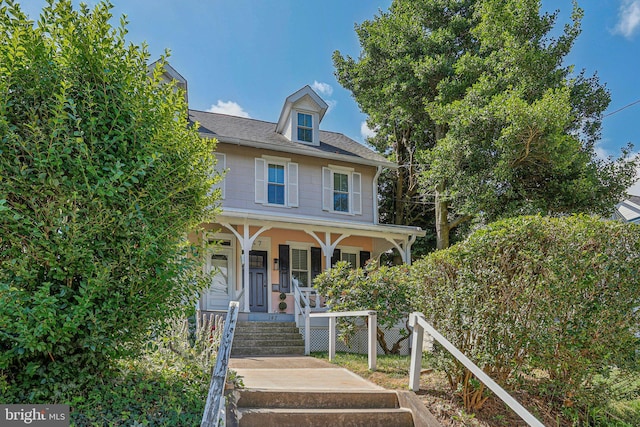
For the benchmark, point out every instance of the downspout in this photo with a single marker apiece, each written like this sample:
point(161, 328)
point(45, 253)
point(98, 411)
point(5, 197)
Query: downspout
point(376, 214)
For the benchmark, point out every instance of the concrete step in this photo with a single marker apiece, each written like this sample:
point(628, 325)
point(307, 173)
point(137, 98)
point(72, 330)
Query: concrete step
point(325, 417)
point(318, 399)
point(259, 341)
point(321, 409)
point(271, 336)
point(261, 338)
point(266, 351)
point(266, 326)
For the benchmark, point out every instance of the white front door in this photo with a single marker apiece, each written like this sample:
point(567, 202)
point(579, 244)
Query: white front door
point(221, 267)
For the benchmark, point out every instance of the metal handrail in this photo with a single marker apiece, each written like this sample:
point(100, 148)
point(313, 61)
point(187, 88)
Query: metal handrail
point(419, 325)
point(372, 342)
point(240, 300)
point(214, 407)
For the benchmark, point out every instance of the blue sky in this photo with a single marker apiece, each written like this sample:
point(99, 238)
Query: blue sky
point(245, 57)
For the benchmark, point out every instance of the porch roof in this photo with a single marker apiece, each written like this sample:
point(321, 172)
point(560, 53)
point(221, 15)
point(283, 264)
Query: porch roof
point(293, 222)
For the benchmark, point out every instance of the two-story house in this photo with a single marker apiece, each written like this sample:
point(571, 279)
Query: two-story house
point(295, 200)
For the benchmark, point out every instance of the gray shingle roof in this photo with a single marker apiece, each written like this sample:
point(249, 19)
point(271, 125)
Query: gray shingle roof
point(251, 132)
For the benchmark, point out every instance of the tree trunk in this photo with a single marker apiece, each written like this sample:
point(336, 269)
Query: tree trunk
point(442, 222)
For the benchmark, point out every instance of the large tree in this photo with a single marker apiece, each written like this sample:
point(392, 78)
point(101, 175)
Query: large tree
point(498, 124)
point(101, 179)
point(407, 52)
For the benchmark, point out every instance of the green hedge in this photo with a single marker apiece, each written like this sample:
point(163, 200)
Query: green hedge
point(545, 304)
point(101, 178)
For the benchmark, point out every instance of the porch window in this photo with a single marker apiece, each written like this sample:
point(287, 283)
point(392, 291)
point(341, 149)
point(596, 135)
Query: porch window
point(352, 259)
point(300, 266)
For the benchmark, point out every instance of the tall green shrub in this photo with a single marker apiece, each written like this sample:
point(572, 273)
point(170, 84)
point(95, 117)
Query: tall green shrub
point(383, 289)
point(101, 179)
point(551, 303)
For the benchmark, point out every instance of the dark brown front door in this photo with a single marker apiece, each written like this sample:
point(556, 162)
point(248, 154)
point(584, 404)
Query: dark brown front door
point(258, 282)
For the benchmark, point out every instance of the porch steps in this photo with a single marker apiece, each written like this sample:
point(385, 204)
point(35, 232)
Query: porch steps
point(264, 338)
point(256, 408)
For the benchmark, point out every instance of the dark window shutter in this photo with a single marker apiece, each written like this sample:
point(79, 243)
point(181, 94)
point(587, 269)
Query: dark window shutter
point(283, 255)
point(364, 257)
point(316, 262)
point(335, 257)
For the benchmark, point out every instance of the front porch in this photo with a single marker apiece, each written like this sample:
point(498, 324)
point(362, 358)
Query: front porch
point(261, 260)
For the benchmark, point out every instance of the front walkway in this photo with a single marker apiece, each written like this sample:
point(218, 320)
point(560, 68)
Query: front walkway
point(296, 373)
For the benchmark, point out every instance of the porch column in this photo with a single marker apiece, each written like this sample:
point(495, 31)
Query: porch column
point(327, 246)
point(246, 243)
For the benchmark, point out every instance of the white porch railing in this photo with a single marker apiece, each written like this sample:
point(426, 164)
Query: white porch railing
point(214, 413)
point(420, 325)
point(372, 327)
point(240, 300)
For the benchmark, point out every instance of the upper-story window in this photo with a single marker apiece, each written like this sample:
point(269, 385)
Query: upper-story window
point(276, 181)
point(305, 127)
point(341, 190)
point(275, 184)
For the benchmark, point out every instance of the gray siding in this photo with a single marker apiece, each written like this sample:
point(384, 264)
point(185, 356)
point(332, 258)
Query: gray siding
point(240, 184)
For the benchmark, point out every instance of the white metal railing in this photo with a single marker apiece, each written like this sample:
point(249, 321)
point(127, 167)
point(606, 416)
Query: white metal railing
point(214, 407)
point(420, 325)
point(240, 300)
point(372, 323)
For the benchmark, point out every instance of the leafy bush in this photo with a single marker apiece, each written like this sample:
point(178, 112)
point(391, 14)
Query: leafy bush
point(545, 303)
point(384, 289)
point(101, 179)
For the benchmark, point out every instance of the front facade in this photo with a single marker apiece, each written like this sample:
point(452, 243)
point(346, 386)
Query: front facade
point(295, 200)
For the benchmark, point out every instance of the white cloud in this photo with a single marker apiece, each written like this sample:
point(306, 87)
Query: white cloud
point(629, 18)
point(322, 88)
point(229, 107)
point(601, 152)
point(365, 131)
point(331, 103)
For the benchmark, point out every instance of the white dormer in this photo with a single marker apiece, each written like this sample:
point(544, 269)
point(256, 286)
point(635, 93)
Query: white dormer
point(169, 75)
point(301, 115)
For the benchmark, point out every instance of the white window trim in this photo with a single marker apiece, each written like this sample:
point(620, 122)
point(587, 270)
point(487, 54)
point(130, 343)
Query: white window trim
point(353, 250)
point(315, 127)
point(300, 247)
point(291, 197)
point(355, 189)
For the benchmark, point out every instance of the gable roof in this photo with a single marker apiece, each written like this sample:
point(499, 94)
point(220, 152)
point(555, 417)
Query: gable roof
point(306, 91)
point(260, 134)
point(629, 209)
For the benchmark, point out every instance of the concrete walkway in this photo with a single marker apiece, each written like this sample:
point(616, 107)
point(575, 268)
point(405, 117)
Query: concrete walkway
point(296, 373)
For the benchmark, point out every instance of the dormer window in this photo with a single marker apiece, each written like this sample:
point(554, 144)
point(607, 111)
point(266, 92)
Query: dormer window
point(305, 127)
point(301, 116)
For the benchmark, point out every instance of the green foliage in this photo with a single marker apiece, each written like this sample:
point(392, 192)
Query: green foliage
point(474, 101)
point(521, 140)
point(384, 289)
point(101, 179)
point(548, 304)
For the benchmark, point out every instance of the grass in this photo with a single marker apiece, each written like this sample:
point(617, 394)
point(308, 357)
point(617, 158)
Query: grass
point(393, 373)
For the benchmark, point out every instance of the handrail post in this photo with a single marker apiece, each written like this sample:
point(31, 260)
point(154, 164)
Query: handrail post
point(373, 343)
point(214, 406)
point(417, 336)
point(307, 329)
point(332, 338)
point(479, 373)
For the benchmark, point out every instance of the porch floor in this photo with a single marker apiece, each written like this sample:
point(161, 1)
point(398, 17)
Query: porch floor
point(296, 373)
